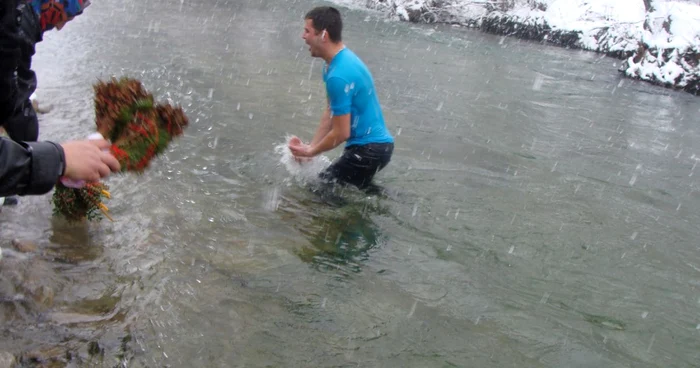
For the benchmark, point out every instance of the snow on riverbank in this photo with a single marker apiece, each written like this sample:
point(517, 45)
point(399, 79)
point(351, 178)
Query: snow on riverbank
point(666, 51)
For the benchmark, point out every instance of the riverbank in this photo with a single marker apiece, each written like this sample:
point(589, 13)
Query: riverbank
point(661, 46)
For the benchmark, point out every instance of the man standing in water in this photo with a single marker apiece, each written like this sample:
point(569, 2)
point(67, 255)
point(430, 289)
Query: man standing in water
point(353, 113)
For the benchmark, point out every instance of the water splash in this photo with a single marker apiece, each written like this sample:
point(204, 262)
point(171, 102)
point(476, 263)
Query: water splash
point(537, 85)
point(272, 200)
point(633, 179)
point(413, 309)
point(302, 172)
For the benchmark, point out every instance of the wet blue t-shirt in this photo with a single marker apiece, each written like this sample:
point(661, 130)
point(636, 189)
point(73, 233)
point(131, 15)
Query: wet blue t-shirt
point(350, 90)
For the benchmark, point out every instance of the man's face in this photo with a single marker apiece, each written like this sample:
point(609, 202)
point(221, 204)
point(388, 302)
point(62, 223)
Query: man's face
point(313, 38)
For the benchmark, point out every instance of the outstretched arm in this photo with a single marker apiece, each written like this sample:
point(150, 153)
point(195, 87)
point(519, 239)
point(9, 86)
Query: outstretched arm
point(33, 168)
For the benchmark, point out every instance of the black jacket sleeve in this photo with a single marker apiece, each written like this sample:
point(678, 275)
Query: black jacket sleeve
point(25, 167)
point(29, 168)
point(19, 33)
point(9, 59)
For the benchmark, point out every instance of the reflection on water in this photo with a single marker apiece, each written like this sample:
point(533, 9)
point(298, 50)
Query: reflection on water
point(541, 211)
point(342, 238)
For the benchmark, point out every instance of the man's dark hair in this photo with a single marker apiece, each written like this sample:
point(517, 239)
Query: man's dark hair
point(328, 18)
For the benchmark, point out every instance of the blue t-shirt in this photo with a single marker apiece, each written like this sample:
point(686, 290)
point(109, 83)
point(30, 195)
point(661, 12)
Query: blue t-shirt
point(350, 90)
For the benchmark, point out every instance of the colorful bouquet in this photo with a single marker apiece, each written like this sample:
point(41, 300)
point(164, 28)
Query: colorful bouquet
point(139, 130)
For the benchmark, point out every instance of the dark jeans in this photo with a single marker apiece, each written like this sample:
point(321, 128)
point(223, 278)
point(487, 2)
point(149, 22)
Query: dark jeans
point(358, 165)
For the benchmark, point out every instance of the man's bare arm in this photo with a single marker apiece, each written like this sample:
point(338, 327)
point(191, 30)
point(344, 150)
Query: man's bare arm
point(339, 133)
point(323, 128)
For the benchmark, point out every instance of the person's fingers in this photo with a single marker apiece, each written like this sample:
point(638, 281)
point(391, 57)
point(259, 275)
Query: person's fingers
point(103, 170)
point(100, 143)
point(88, 160)
point(93, 175)
point(111, 161)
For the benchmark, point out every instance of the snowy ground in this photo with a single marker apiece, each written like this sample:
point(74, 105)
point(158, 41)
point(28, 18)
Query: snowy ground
point(665, 52)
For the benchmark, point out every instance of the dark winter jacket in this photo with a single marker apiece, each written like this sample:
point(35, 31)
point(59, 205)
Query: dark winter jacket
point(26, 166)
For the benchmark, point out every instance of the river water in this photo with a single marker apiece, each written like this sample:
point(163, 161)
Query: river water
point(541, 211)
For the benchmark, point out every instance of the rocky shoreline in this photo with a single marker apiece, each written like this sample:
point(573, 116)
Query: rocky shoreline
point(673, 68)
